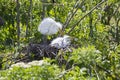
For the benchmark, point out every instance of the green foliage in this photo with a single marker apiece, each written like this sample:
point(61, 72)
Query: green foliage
point(87, 63)
point(35, 72)
point(86, 56)
point(98, 39)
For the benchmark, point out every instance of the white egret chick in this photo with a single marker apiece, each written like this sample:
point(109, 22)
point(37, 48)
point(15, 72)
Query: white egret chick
point(61, 42)
point(49, 26)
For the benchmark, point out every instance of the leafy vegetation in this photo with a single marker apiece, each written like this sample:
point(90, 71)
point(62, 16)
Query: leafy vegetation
point(94, 25)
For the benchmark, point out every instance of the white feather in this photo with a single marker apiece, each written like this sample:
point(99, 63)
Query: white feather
point(61, 42)
point(48, 26)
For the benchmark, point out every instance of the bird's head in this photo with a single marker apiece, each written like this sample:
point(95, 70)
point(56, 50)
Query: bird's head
point(60, 26)
point(67, 38)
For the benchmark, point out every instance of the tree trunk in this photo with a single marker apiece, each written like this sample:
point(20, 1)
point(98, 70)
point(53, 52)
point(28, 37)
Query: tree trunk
point(18, 22)
point(29, 20)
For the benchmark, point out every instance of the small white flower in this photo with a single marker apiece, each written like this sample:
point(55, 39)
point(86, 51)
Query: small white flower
point(48, 26)
point(76, 39)
point(83, 69)
point(97, 51)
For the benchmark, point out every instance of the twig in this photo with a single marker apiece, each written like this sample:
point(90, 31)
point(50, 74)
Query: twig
point(116, 10)
point(63, 73)
point(97, 75)
point(86, 15)
point(73, 13)
point(70, 16)
point(109, 72)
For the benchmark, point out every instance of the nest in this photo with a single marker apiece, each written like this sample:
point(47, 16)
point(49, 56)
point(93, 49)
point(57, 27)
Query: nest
point(43, 51)
point(38, 52)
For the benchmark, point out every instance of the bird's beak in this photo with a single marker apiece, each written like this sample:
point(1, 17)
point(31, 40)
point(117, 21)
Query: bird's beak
point(73, 39)
point(61, 32)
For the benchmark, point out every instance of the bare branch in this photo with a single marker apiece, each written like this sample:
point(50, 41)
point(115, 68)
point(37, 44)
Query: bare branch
point(86, 15)
point(69, 18)
point(71, 14)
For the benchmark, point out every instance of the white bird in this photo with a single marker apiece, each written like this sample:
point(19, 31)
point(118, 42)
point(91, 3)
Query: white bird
point(49, 26)
point(61, 42)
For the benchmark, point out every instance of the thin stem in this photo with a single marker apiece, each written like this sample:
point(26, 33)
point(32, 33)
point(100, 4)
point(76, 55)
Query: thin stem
point(73, 26)
point(68, 17)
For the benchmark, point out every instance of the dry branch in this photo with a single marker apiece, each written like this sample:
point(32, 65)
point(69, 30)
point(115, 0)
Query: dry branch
point(73, 26)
